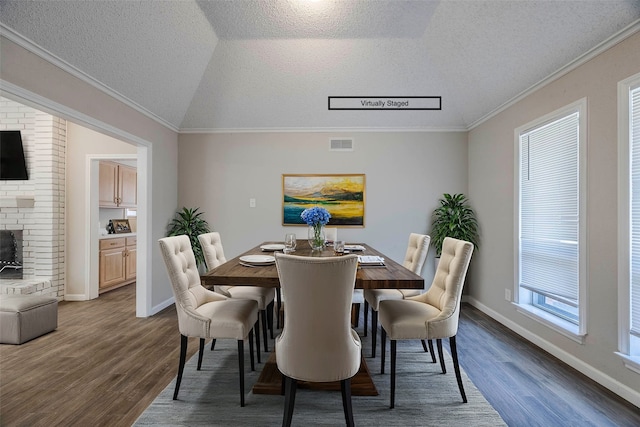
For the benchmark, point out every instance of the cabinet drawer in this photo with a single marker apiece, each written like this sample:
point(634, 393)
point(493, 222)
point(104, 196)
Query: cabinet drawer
point(132, 241)
point(112, 243)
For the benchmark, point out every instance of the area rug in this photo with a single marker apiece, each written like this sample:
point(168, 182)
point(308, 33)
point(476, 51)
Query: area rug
point(424, 396)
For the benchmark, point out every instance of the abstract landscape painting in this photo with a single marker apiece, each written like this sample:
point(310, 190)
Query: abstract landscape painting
point(342, 195)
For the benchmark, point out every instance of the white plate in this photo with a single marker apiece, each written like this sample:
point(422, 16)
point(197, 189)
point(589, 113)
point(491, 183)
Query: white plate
point(273, 247)
point(258, 259)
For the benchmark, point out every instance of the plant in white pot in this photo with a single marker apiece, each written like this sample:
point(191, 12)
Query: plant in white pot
point(453, 218)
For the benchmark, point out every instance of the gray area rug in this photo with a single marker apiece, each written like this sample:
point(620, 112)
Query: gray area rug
point(424, 396)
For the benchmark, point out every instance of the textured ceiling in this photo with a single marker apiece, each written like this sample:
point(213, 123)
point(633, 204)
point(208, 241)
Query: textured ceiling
point(244, 65)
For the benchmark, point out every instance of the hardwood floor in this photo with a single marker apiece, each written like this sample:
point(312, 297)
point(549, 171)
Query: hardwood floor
point(530, 387)
point(103, 367)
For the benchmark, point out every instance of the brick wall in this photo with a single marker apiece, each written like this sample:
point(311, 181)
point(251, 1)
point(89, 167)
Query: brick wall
point(43, 225)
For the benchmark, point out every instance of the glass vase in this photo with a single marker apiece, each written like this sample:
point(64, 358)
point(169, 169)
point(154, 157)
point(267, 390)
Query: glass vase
point(316, 236)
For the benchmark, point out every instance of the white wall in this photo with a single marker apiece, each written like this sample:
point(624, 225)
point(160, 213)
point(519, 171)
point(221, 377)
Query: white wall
point(82, 142)
point(491, 187)
point(406, 174)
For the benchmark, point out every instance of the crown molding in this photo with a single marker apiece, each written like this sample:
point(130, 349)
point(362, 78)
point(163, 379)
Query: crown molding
point(26, 97)
point(623, 34)
point(39, 51)
point(319, 130)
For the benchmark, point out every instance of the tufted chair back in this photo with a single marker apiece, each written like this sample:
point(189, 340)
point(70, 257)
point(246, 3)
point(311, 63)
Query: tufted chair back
point(211, 244)
point(185, 281)
point(416, 252)
point(445, 292)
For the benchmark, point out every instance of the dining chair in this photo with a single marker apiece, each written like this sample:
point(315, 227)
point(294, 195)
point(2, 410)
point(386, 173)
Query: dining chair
point(317, 343)
point(331, 235)
point(414, 258)
point(432, 315)
point(213, 251)
point(203, 313)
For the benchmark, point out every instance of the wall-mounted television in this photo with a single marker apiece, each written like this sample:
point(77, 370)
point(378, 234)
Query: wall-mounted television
point(12, 163)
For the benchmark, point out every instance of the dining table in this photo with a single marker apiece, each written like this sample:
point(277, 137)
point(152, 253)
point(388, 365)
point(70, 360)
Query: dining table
point(236, 272)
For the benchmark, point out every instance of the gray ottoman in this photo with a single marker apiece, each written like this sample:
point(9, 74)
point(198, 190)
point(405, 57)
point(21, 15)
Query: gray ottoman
point(25, 317)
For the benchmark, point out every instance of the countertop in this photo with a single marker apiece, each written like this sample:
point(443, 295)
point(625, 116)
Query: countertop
point(114, 236)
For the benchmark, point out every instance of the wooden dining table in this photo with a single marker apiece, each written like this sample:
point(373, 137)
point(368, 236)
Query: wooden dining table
point(390, 276)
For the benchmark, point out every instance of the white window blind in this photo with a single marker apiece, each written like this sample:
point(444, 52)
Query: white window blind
point(549, 209)
point(635, 210)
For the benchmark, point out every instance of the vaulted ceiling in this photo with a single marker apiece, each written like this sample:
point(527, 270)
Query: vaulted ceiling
point(204, 65)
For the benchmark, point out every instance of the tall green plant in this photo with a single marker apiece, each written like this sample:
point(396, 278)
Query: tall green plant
point(454, 218)
point(188, 222)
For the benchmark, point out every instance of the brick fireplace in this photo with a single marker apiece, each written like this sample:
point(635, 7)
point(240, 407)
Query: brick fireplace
point(36, 206)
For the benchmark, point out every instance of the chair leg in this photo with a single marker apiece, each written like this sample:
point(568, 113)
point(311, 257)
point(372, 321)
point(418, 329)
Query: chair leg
point(263, 320)
point(345, 388)
point(374, 332)
point(456, 367)
point(439, 344)
point(289, 400)
point(270, 318)
point(278, 306)
point(241, 369)
point(393, 373)
point(433, 353)
point(251, 358)
point(366, 316)
point(213, 344)
point(383, 350)
point(256, 328)
point(183, 356)
point(200, 353)
point(355, 314)
point(424, 346)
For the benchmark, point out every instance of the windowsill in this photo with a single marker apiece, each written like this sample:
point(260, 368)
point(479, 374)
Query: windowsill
point(559, 325)
point(630, 362)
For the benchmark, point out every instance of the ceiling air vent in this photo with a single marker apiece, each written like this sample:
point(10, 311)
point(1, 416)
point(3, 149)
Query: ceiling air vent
point(341, 144)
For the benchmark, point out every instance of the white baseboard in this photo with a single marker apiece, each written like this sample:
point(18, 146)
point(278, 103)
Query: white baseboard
point(164, 304)
point(627, 393)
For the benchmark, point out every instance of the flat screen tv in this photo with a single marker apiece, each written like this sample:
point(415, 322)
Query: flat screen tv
point(12, 162)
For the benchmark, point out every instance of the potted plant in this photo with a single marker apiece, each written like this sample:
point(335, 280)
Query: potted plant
point(454, 218)
point(188, 222)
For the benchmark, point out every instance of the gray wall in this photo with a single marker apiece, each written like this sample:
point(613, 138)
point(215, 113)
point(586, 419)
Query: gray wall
point(491, 187)
point(406, 174)
point(60, 93)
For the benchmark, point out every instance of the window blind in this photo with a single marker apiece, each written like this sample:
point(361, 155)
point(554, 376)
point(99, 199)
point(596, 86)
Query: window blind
point(549, 209)
point(635, 210)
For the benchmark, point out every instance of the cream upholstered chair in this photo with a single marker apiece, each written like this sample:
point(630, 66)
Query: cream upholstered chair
point(331, 235)
point(317, 343)
point(203, 313)
point(432, 315)
point(211, 244)
point(413, 260)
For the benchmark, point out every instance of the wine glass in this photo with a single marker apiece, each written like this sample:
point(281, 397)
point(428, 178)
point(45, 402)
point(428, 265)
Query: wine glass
point(289, 243)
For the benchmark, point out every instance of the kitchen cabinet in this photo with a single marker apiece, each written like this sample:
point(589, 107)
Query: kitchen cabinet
point(117, 262)
point(118, 186)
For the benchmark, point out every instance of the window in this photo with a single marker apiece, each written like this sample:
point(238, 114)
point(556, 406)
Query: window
point(550, 272)
point(629, 221)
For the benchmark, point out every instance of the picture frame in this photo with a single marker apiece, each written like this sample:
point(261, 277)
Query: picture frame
point(343, 195)
point(121, 226)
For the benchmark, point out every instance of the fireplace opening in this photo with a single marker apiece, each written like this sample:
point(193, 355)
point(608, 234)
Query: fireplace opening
point(10, 254)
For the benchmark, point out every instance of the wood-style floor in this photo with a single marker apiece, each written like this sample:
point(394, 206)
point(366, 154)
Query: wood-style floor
point(103, 367)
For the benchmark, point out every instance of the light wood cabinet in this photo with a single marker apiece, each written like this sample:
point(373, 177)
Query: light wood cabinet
point(118, 186)
point(117, 262)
